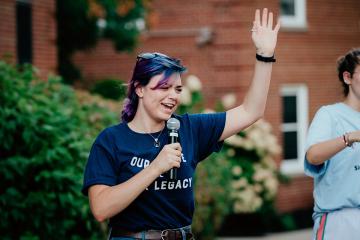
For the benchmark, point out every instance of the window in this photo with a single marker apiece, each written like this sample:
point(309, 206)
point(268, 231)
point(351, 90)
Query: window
point(24, 32)
point(293, 14)
point(294, 127)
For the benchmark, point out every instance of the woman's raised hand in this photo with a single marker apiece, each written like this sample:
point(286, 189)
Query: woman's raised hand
point(264, 35)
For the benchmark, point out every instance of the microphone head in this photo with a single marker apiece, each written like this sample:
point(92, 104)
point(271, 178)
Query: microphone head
point(173, 124)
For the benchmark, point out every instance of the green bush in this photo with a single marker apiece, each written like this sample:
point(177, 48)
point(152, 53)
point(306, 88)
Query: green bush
point(212, 191)
point(255, 176)
point(110, 88)
point(45, 137)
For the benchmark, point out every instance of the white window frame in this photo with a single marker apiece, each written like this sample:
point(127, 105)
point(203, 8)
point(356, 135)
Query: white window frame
point(296, 166)
point(298, 21)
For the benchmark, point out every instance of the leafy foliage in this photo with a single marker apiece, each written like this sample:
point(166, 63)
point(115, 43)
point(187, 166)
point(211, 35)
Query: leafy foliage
point(124, 21)
point(78, 28)
point(110, 88)
point(46, 136)
point(254, 172)
point(212, 191)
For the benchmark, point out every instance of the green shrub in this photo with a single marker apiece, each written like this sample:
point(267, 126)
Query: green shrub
point(110, 88)
point(255, 177)
point(212, 191)
point(45, 139)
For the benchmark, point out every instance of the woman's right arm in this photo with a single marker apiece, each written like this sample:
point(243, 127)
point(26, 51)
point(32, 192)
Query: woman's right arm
point(107, 201)
point(318, 153)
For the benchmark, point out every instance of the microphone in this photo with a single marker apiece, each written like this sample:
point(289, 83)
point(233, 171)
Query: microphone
point(173, 126)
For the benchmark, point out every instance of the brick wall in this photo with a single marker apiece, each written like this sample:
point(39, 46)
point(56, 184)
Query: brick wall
point(226, 64)
point(297, 194)
point(43, 34)
point(7, 29)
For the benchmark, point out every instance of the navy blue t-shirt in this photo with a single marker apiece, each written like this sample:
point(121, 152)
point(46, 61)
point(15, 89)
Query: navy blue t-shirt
point(119, 153)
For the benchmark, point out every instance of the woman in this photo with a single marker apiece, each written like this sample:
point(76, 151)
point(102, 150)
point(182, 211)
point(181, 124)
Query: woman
point(126, 177)
point(333, 158)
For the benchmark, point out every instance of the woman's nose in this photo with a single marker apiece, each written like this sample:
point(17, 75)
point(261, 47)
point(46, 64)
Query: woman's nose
point(173, 94)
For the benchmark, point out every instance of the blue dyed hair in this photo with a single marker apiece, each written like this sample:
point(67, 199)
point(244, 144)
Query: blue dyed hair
point(147, 66)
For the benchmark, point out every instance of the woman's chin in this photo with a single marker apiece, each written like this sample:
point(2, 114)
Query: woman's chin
point(165, 116)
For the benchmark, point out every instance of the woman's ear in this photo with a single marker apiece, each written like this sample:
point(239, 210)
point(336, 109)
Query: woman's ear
point(347, 77)
point(139, 90)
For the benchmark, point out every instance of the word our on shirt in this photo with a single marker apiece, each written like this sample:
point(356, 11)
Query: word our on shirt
point(161, 184)
point(143, 163)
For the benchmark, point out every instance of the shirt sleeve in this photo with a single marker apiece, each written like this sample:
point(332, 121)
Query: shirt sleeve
point(320, 130)
point(208, 129)
point(100, 168)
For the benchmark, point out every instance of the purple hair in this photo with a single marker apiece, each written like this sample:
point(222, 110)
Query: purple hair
point(145, 68)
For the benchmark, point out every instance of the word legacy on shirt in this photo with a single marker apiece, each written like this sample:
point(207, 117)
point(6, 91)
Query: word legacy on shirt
point(171, 185)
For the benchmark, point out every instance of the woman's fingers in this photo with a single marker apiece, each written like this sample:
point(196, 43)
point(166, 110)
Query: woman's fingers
point(175, 150)
point(177, 153)
point(169, 157)
point(175, 146)
point(175, 161)
point(270, 21)
point(277, 27)
point(257, 18)
point(264, 17)
point(266, 20)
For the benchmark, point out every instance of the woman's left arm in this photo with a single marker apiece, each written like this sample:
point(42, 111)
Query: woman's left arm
point(253, 106)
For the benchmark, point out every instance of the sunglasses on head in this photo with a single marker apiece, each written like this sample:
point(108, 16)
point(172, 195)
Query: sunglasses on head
point(148, 56)
point(164, 59)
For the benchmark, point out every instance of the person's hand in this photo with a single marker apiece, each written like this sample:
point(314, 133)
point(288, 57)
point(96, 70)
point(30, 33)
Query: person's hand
point(263, 34)
point(169, 157)
point(354, 136)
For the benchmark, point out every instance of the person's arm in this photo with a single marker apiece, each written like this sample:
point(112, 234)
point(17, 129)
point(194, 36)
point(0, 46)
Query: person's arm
point(253, 106)
point(107, 201)
point(318, 153)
